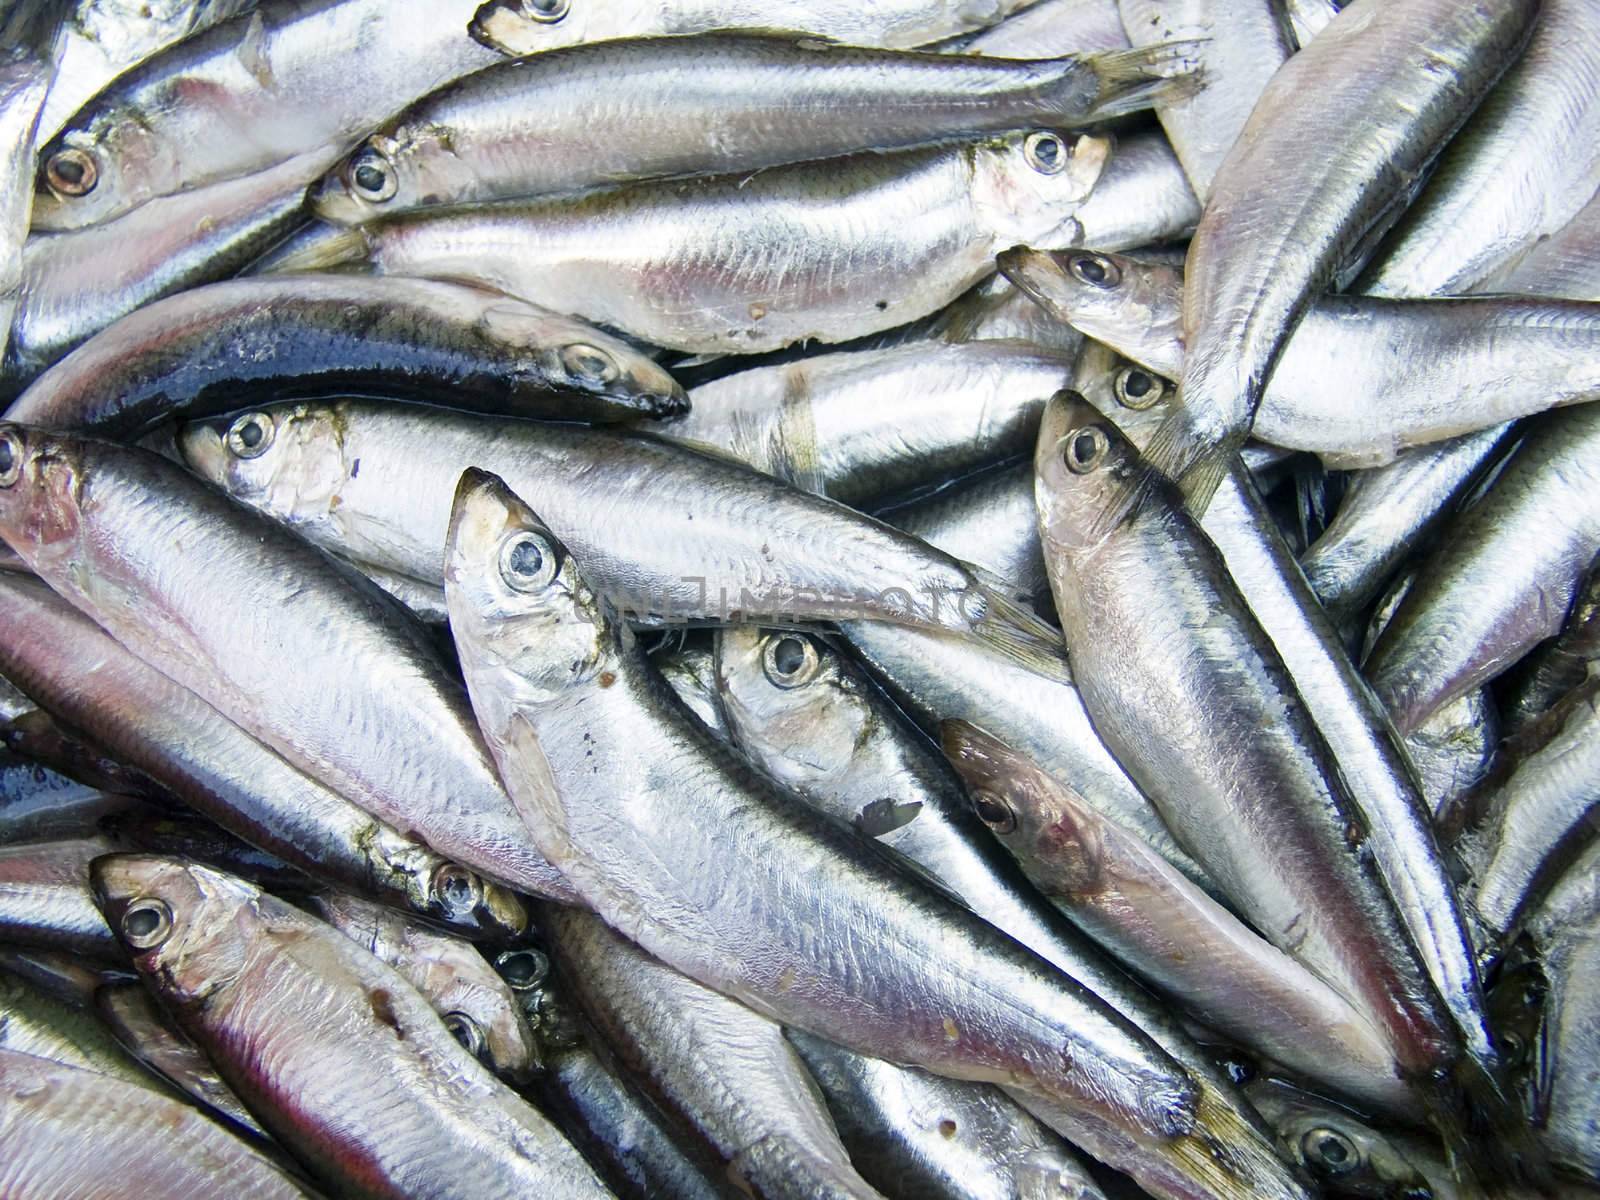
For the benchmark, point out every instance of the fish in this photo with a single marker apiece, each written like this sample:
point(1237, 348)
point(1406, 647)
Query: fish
point(1359, 381)
point(76, 284)
point(1280, 224)
point(1503, 576)
point(557, 683)
point(1455, 750)
point(529, 127)
point(1168, 931)
point(332, 1050)
point(26, 37)
point(405, 749)
point(64, 1124)
point(1558, 665)
point(1519, 170)
point(33, 1022)
point(867, 427)
point(61, 809)
point(518, 29)
point(477, 1006)
point(374, 482)
point(1561, 264)
point(45, 901)
point(1049, 28)
point(213, 349)
point(1142, 197)
point(217, 768)
point(751, 262)
point(726, 1069)
point(245, 95)
point(917, 1136)
point(691, 672)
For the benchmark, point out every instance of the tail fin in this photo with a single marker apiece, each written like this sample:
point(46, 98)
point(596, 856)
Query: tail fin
point(1133, 80)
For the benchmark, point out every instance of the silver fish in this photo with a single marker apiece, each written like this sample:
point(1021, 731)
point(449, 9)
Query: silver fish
point(671, 535)
point(1522, 167)
point(531, 127)
point(725, 1069)
point(63, 1125)
point(691, 671)
point(1555, 667)
point(868, 426)
point(24, 80)
point(1504, 576)
point(1051, 27)
point(32, 1022)
point(1142, 197)
point(246, 95)
point(149, 552)
point(744, 263)
point(1454, 750)
point(522, 617)
point(477, 1006)
point(995, 311)
point(45, 900)
point(519, 29)
point(1358, 381)
point(213, 349)
point(919, 1137)
point(1567, 263)
point(333, 1051)
point(214, 766)
point(1282, 222)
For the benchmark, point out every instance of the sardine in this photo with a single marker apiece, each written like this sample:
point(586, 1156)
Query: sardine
point(1282, 222)
point(1567, 263)
point(1559, 665)
point(32, 1022)
point(333, 1051)
point(742, 263)
point(691, 672)
point(26, 34)
point(1142, 197)
point(214, 349)
point(238, 610)
point(45, 900)
point(1052, 27)
point(246, 95)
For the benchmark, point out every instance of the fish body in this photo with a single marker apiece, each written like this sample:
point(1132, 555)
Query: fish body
point(45, 901)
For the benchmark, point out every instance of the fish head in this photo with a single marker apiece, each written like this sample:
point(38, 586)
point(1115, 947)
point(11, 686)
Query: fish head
point(1087, 476)
point(519, 608)
point(42, 479)
point(287, 460)
point(376, 179)
point(519, 27)
point(792, 703)
point(1133, 306)
point(1135, 399)
point(1028, 186)
point(94, 171)
point(174, 918)
point(1032, 812)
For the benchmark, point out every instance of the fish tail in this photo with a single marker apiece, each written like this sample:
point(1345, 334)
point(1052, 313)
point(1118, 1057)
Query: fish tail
point(1232, 1157)
point(333, 247)
point(1133, 80)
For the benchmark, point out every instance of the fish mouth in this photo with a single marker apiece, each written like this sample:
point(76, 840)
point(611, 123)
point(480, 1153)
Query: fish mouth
point(201, 446)
point(1033, 272)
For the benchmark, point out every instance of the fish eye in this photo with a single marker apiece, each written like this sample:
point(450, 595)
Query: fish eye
point(994, 812)
point(456, 890)
point(147, 923)
point(372, 176)
point(1085, 449)
point(1329, 1151)
point(1046, 153)
point(523, 969)
point(466, 1031)
point(250, 435)
point(10, 458)
point(1094, 269)
point(528, 562)
point(71, 172)
point(545, 11)
point(590, 363)
point(789, 660)
point(1138, 389)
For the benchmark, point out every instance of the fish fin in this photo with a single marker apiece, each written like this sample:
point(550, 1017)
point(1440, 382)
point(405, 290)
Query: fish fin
point(1017, 633)
point(1196, 463)
point(335, 248)
point(1134, 80)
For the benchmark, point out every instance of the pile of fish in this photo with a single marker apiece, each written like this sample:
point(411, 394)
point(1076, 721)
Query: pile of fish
point(891, 600)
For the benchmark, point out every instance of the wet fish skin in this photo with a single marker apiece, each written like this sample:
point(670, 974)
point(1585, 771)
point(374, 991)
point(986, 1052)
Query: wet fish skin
point(152, 722)
point(54, 808)
point(1504, 575)
point(45, 901)
point(62, 1125)
point(220, 347)
point(332, 1050)
point(916, 1135)
point(1280, 223)
point(736, 263)
point(1557, 666)
point(670, 535)
point(865, 427)
point(476, 1004)
point(1564, 264)
point(150, 1036)
point(513, 29)
point(1455, 750)
point(243, 96)
point(530, 127)
point(725, 1069)
point(76, 284)
point(24, 82)
point(1521, 168)
point(518, 649)
point(1051, 27)
point(33, 1022)
point(1167, 930)
point(1114, 537)
point(1142, 197)
point(139, 545)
